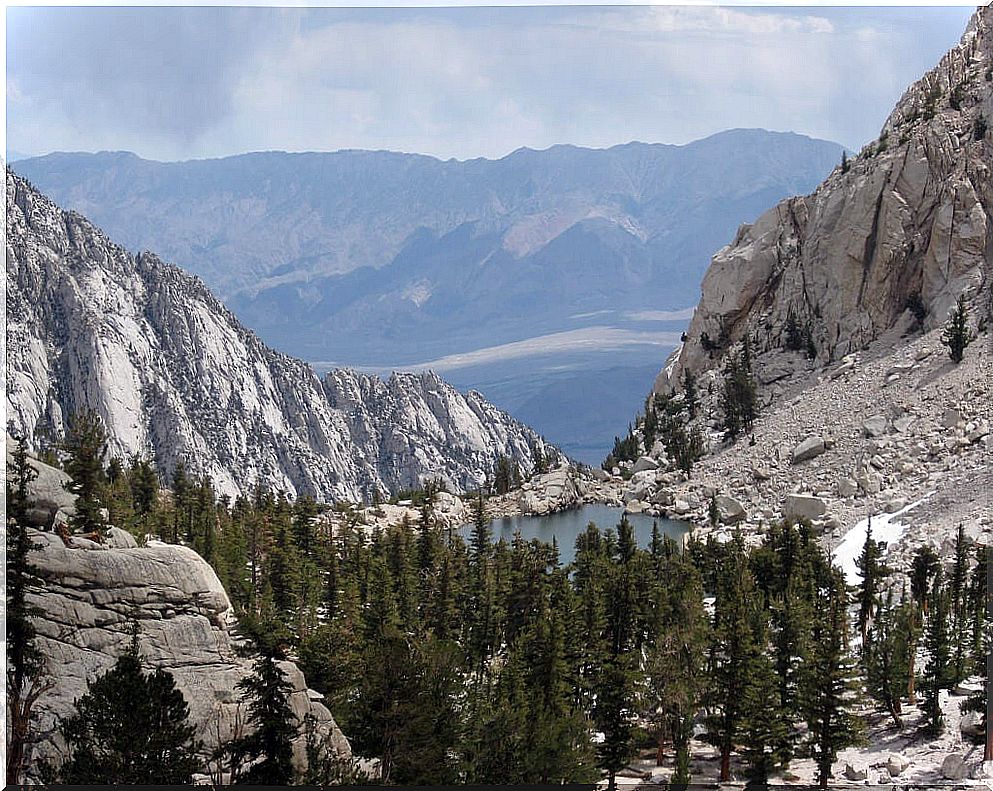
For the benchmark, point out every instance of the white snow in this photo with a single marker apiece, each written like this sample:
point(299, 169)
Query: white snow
point(885, 528)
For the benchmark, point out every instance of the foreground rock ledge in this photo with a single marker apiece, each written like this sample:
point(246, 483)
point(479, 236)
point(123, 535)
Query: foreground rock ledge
point(187, 628)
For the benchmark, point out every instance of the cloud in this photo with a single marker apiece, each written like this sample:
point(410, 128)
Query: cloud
point(164, 74)
point(190, 82)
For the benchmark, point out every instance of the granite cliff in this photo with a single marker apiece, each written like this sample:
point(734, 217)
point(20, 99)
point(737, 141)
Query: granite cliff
point(89, 594)
point(175, 376)
point(888, 241)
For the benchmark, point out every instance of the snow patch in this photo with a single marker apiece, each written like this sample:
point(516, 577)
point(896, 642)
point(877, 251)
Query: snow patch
point(885, 528)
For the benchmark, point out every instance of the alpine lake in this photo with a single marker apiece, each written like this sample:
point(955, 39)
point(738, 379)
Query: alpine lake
point(565, 526)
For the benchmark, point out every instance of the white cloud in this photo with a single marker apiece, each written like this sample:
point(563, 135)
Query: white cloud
point(171, 83)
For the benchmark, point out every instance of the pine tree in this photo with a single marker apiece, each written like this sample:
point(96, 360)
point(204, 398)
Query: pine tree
point(690, 395)
point(26, 679)
point(887, 653)
point(181, 503)
point(983, 648)
point(739, 400)
point(86, 445)
point(956, 335)
point(872, 571)
point(924, 567)
point(764, 729)
point(958, 590)
point(481, 532)
point(144, 486)
point(268, 749)
point(830, 684)
point(675, 659)
point(732, 648)
point(130, 728)
point(937, 673)
point(613, 716)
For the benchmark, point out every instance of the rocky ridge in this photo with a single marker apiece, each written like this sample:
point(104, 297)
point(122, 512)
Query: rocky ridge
point(90, 593)
point(889, 240)
point(869, 265)
point(868, 417)
point(879, 430)
point(175, 376)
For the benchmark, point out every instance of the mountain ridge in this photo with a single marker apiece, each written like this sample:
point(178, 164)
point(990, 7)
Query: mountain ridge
point(175, 376)
point(888, 242)
point(281, 236)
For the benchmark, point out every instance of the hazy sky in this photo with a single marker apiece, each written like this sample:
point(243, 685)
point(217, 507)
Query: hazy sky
point(177, 83)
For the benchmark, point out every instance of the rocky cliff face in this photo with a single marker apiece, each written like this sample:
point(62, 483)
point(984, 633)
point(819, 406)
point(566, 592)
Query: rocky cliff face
point(904, 229)
point(175, 376)
point(89, 594)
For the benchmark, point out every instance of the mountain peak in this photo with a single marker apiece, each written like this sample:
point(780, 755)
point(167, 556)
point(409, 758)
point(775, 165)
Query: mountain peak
point(174, 376)
point(886, 242)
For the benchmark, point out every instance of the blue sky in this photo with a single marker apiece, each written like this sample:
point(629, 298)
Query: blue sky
point(179, 83)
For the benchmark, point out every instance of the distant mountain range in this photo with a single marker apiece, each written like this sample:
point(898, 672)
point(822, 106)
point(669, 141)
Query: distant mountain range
point(385, 260)
point(373, 256)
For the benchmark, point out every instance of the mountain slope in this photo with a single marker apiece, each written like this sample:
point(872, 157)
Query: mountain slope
point(889, 242)
point(879, 421)
point(377, 257)
point(175, 376)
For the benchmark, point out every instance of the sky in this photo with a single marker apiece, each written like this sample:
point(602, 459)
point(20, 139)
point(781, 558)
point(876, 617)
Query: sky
point(182, 83)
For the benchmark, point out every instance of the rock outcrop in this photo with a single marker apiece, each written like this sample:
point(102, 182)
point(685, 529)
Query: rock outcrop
point(175, 376)
point(888, 242)
point(88, 596)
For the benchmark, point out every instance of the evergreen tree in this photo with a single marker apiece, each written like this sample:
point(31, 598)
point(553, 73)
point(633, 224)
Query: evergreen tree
point(872, 571)
point(887, 653)
point(181, 503)
point(85, 445)
point(733, 647)
point(983, 649)
point(924, 567)
point(937, 674)
point(739, 400)
point(130, 728)
point(959, 593)
point(144, 486)
point(614, 717)
point(268, 749)
point(764, 729)
point(675, 659)
point(956, 335)
point(978, 608)
point(690, 395)
point(507, 475)
point(830, 684)
point(26, 680)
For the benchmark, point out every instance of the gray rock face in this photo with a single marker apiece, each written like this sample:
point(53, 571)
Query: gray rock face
point(730, 509)
point(847, 487)
point(808, 449)
point(954, 767)
point(803, 506)
point(856, 770)
point(51, 500)
point(874, 426)
point(908, 223)
point(971, 725)
point(185, 618)
point(645, 463)
point(896, 764)
point(175, 376)
point(557, 490)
